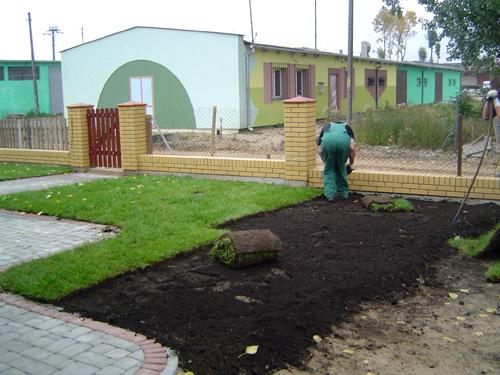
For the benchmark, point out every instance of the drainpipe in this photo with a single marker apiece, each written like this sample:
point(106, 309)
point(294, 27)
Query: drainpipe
point(247, 62)
point(377, 68)
point(422, 87)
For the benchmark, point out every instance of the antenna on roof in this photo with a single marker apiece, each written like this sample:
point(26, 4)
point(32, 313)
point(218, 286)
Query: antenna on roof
point(251, 22)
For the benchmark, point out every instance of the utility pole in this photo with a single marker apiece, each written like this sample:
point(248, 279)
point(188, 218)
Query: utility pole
point(315, 27)
point(33, 68)
point(53, 30)
point(349, 64)
point(251, 21)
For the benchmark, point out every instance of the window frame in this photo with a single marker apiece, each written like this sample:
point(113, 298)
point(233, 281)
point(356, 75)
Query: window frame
point(22, 73)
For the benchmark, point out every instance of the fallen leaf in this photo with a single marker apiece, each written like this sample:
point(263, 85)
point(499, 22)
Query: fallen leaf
point(449, 339)
point(459, 355)
point(250, 350)
point(483, 315)
point(453, 295)
point(491, 310)
point(348, 351)
point(317, 338)
point(460, 318)
point(478, 333)
point(464, 290)
point(366, 361)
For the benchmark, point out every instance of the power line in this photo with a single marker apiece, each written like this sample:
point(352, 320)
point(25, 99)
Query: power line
point(53, 30)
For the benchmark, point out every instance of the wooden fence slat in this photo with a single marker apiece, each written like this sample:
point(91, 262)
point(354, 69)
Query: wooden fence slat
point(40, 133)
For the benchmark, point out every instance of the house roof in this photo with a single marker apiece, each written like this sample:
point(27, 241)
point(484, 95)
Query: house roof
point(152, 28)
point(378, 61)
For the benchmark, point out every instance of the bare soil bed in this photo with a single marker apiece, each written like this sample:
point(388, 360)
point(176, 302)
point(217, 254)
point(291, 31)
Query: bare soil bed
point(353, 292)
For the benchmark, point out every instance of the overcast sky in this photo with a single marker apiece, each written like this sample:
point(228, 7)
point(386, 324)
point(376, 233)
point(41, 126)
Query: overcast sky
point(288, 23)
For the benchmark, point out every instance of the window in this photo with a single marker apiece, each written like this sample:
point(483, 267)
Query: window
point(22, 73)
point(299, 83)
point(449, 82)
point(381, 82)
point(277, 83)
point(2, 76)
point(454, 82)
point(419, 82)
point(425, 82)
point(141, 90)
point(371, 82)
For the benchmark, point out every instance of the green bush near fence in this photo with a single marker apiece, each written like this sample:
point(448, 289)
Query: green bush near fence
point(422, 126)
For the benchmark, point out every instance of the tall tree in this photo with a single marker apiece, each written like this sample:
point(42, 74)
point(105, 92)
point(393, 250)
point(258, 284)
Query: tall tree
point(438, 51)
point(432, 39)
point(384, 24)
point(422, 54)
point(471, 25)
point(395, 31)
point(381, 53)
point(404, 29)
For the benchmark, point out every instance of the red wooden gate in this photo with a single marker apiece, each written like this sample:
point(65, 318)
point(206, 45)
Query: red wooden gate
point(104, 138)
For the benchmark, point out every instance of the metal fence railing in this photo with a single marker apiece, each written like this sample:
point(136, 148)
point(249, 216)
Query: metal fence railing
point(267, 142)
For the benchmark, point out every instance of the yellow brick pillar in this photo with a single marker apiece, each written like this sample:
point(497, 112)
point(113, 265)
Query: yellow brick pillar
point(78, 135)
point(300, 138)
point(133, 135)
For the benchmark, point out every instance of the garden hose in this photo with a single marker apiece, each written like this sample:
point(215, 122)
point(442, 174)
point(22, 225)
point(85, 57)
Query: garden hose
point(477, 170)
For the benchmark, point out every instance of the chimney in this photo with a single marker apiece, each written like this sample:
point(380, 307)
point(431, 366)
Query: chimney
point(364, 49)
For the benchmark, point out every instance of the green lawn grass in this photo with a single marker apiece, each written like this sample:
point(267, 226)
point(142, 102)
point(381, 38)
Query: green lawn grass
point(159, 216)
point(9, 171)
point(470, 247)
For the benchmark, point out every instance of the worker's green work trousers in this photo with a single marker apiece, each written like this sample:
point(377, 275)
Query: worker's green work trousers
point(335, 147)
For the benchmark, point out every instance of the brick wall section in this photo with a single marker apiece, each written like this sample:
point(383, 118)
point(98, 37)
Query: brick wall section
point(265, 169)
point(133, 136)
point(79, 135)
point(300, 135)
point(47, 157)
point(447, 186)
point(299, 164)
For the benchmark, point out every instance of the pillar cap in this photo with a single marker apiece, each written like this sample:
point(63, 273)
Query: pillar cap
point(300, 99)
point(131, 104)
point(80, 105)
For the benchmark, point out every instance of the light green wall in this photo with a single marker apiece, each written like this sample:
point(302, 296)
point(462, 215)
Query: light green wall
point(19, 96)
point(210, 68)
point(418, 94)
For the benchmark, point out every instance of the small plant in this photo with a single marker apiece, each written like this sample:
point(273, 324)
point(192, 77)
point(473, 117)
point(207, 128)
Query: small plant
point(398, 205)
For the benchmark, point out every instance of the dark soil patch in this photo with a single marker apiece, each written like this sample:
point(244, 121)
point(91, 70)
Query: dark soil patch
point(335, 256)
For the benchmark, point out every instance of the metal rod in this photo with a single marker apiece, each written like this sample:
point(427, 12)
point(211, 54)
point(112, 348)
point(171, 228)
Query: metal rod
point(349, 64)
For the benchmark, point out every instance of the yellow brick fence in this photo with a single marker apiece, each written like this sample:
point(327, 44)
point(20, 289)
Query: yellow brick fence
point(298, 168)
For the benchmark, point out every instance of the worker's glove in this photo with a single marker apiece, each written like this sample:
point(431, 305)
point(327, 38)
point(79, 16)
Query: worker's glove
point(492, 94)
point(349, 168)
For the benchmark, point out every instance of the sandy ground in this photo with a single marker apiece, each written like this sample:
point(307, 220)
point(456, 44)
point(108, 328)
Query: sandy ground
point(452, 328)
